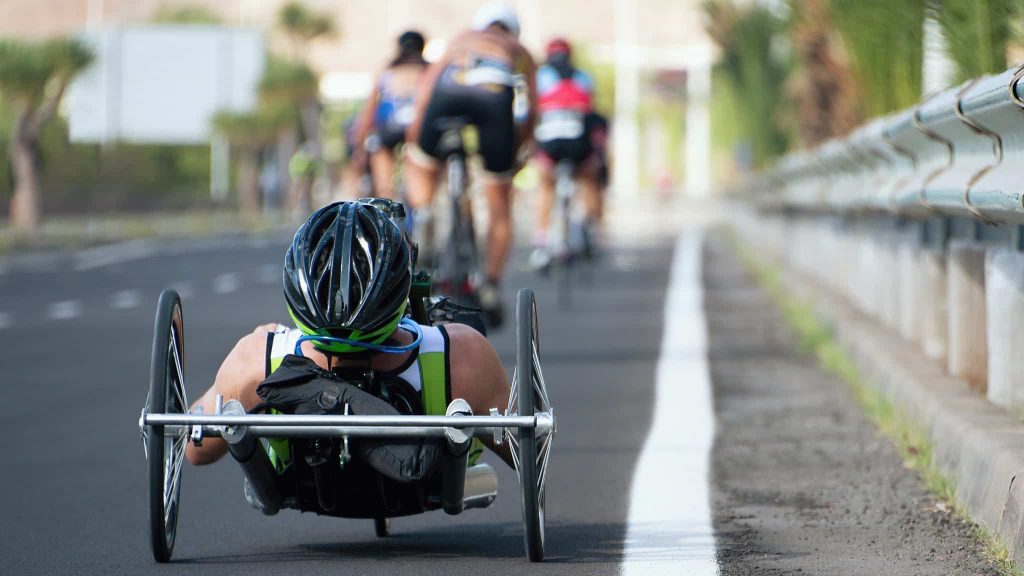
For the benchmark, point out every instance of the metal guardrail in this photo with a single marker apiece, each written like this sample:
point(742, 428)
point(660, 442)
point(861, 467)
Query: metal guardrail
point(959, 153)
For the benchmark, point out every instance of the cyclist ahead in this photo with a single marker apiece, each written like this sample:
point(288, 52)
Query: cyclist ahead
point(564, 132)
point(389, 111)
point(475, 81)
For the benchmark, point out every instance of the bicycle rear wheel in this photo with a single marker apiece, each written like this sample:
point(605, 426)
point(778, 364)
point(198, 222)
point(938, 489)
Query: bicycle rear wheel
point(458, 261)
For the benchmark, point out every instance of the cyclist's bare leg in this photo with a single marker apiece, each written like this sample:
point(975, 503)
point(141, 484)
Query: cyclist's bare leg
point(382, 168)
point(499, 234)
point(590, 192)
point(420, 183)
point(545, 200)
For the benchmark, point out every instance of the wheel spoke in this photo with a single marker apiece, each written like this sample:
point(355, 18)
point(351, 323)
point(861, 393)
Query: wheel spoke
point(172, 471)
point(543, 459)
point(539, 384)
point(179, 372)
point(513, 395)
point(513, 445)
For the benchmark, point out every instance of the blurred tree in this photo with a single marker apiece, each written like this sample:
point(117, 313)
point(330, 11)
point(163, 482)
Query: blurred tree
point(883, 39)
point(184, 14)
point(822, 89)
point(755, 67)
point(294, 85)
point(33, 78)
point(249, 133)
point(977, 33)
point(301, 25)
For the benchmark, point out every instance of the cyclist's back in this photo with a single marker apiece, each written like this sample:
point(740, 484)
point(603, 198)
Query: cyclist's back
point(565, 98)
point(475, 82)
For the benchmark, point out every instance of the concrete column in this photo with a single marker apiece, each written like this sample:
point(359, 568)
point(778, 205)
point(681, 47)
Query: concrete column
point(1004, 293)
point(967, 356)
point(909, 290)
point(888, 281)
point(932, 303)
point(698, 126)
point(625, 140)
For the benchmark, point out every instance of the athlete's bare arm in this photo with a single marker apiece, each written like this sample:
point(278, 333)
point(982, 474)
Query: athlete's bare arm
point(239, 375)
point(478, 377)
point(367, 119)
point(530, 71)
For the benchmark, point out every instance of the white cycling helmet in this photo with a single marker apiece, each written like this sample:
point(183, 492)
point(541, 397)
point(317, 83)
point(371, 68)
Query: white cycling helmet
point(496, 13)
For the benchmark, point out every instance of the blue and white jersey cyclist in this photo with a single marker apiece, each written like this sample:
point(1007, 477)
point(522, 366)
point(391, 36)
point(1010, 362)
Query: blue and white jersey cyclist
point(390, 110)
point(346, 277)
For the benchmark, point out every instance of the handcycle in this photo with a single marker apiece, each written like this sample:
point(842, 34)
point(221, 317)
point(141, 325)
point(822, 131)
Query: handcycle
point(354, 491)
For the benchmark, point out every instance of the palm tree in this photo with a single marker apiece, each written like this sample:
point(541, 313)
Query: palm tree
point(883, 39)
point(756, 69)
point(303, 25)
point(33, 78)
point(293, 85)
point(248, 133)
point(821, 87)
point(977, 33)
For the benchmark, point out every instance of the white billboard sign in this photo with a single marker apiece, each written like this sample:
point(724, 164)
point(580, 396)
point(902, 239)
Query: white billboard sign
point(162, 84)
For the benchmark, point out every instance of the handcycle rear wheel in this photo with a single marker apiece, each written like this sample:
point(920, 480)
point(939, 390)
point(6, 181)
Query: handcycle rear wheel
point(166, 453)
point(532, 450)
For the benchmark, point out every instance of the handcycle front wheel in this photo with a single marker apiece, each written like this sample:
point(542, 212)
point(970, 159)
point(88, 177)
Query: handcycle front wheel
point(166, 452)
point(532, 451)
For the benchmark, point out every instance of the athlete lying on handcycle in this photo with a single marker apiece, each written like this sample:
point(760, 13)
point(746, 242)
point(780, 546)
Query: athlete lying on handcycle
point(347, 277)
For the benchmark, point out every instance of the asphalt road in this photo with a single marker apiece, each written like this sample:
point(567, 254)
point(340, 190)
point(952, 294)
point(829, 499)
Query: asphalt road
point(74, 347)
point(75, 337)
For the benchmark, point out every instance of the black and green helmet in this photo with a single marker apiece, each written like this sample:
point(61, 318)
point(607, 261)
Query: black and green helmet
point(347, 275)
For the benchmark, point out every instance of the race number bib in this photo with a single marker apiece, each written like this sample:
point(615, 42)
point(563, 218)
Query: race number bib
point(559, 125)
point(404, 114)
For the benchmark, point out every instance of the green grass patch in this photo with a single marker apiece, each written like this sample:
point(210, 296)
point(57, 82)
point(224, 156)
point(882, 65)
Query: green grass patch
point(816, 338)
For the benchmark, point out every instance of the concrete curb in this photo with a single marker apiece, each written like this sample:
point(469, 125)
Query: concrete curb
point(977, 445)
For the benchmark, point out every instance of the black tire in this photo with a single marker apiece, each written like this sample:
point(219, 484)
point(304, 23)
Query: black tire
point(166, 396)
point(382, 526)
point(529, 470)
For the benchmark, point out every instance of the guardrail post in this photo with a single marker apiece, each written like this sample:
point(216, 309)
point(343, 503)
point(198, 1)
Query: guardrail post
point(1004, 291)
point(968, 348)
point(932, 300)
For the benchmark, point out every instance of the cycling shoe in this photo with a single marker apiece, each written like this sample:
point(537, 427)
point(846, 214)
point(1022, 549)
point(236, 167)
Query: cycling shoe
point(490, 302)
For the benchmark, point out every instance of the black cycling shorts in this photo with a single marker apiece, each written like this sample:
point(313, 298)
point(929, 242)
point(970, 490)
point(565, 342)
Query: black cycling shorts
point(386, 137)
point(489, 110)
point(577, 149)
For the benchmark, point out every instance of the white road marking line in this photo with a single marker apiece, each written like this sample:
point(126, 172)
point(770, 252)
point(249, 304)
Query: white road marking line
point(270, 274)
point(64, 310)
point(114, 254)
point(669, 508)
point(125, 299)
point(184, 289)
point(226, 283)
point(6, 320)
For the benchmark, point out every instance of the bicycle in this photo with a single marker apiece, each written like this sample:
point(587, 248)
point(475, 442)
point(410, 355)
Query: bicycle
point(568, 237)
point(455, 265)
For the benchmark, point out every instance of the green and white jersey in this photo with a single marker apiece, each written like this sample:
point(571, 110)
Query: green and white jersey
point(426, 371)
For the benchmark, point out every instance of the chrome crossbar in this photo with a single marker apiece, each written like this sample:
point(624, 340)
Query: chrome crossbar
point(296, 420)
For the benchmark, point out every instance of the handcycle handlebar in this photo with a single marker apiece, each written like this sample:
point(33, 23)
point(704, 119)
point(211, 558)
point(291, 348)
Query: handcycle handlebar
point(279, 420)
